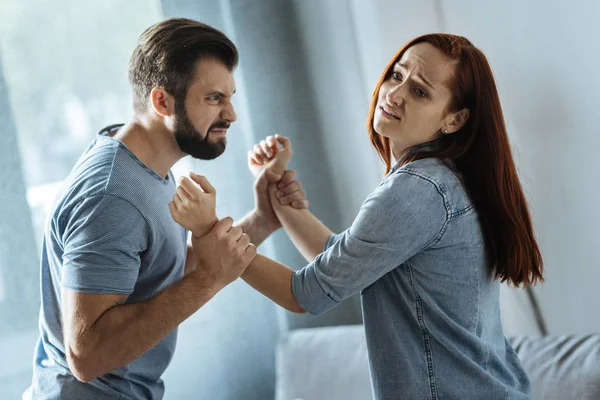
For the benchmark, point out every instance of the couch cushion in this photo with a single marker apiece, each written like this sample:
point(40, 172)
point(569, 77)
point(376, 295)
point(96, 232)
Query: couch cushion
point(561, 367)
point(323, 363)
point(331, 363)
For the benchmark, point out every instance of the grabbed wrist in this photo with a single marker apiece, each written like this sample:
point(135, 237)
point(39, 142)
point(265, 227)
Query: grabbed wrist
point(201, 231)
point(265, 223)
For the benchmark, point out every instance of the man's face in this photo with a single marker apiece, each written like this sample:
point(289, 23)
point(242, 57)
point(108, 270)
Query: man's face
point(203, 117)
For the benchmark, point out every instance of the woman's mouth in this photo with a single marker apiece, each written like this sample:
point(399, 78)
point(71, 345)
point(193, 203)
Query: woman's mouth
point(388, 114)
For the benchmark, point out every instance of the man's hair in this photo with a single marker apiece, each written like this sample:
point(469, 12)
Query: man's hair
point(166, 57)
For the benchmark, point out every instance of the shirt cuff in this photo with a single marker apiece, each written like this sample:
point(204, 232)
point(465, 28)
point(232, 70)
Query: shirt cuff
point(309, 292)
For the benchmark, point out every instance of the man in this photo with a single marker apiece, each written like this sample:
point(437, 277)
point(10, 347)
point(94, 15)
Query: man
point(117, 275)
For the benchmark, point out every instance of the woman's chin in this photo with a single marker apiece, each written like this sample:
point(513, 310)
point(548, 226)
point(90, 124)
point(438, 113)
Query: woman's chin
point(386, 132)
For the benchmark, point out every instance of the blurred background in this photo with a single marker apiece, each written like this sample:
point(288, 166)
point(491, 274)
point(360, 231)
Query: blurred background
point(307, 70)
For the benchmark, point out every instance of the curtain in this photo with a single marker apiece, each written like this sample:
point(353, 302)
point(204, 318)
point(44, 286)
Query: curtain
point(19, 271)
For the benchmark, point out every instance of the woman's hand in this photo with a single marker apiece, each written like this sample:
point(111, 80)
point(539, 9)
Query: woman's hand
point(193, 206)
point(267, 155)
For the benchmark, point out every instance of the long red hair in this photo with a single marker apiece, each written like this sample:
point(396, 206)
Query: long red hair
point(481, 154)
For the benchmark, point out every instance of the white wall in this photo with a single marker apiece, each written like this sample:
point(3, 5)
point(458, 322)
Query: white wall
point(545, 56)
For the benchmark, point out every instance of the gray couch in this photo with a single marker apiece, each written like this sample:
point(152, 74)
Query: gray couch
point(331, 364)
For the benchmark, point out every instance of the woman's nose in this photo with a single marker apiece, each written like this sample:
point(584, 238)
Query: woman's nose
point(394, 95)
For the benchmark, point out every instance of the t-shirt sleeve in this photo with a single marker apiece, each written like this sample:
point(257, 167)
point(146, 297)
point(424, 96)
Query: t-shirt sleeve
point(402, 217)
point(103, 238)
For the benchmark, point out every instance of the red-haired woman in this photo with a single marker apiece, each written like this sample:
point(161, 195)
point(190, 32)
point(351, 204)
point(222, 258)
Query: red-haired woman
point(432, 243)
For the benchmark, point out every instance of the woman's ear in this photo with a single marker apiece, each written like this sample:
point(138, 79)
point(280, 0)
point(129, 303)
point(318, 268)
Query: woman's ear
point(455, 121)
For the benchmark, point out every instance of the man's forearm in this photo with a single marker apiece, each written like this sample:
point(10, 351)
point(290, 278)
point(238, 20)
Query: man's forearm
point(125, 332)
point(255, 226)
point(190, 260)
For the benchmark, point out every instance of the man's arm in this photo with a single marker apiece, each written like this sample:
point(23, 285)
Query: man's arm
point(257, 227)
point(262, 221)
point(102, 334)
point(265, 275)
point(190, 261)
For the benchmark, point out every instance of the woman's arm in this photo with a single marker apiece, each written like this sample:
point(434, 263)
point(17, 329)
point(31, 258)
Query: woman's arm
point(193, 208)
point(308, 234)
point(404, 216)
point(274, 280)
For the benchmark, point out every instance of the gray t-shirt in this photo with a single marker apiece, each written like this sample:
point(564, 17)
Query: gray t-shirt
point(110, 233)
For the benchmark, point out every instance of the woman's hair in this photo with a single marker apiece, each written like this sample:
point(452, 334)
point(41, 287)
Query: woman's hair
point(480, 152)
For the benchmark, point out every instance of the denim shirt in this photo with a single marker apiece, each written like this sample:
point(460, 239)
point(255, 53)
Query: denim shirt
point(430, 302)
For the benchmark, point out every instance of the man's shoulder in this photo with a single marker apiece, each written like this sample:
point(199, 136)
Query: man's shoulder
point(91, 178)
point(108, 167)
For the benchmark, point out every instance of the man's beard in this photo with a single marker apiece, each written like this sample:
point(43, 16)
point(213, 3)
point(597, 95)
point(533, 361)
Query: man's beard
point(190, 141)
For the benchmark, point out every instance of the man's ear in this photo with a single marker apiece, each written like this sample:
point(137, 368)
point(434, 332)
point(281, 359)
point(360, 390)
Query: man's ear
point(162, 102)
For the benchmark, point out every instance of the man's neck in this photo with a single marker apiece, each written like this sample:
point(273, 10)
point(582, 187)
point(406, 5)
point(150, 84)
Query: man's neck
point(152, 143)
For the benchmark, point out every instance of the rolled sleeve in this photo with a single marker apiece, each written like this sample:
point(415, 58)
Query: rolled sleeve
point(405, 215)
point(309, 293)
point(102, 240)
point(334, 237)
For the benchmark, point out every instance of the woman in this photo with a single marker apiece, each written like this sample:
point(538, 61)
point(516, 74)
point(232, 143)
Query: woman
point(431, 244)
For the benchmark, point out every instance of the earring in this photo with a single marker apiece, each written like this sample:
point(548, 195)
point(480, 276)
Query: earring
point(445, 130)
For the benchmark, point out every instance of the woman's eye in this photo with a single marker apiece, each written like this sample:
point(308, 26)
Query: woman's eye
point(396, 76)
point(420, 93)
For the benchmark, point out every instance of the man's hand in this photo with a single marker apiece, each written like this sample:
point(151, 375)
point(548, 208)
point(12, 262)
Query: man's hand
point(222, 255)
point(290, 191)
point(193, 207)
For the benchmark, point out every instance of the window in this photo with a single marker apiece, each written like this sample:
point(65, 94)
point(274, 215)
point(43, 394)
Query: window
point(61, 89)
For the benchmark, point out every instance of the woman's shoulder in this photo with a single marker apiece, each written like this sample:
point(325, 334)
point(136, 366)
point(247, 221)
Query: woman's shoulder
point(435, 170)
point(418, 181)
point(442, 175)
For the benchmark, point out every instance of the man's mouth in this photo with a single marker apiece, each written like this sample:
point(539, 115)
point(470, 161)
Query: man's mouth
point(219, 131)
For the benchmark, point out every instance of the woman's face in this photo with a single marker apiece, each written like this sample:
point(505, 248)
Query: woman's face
point(413, 101)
